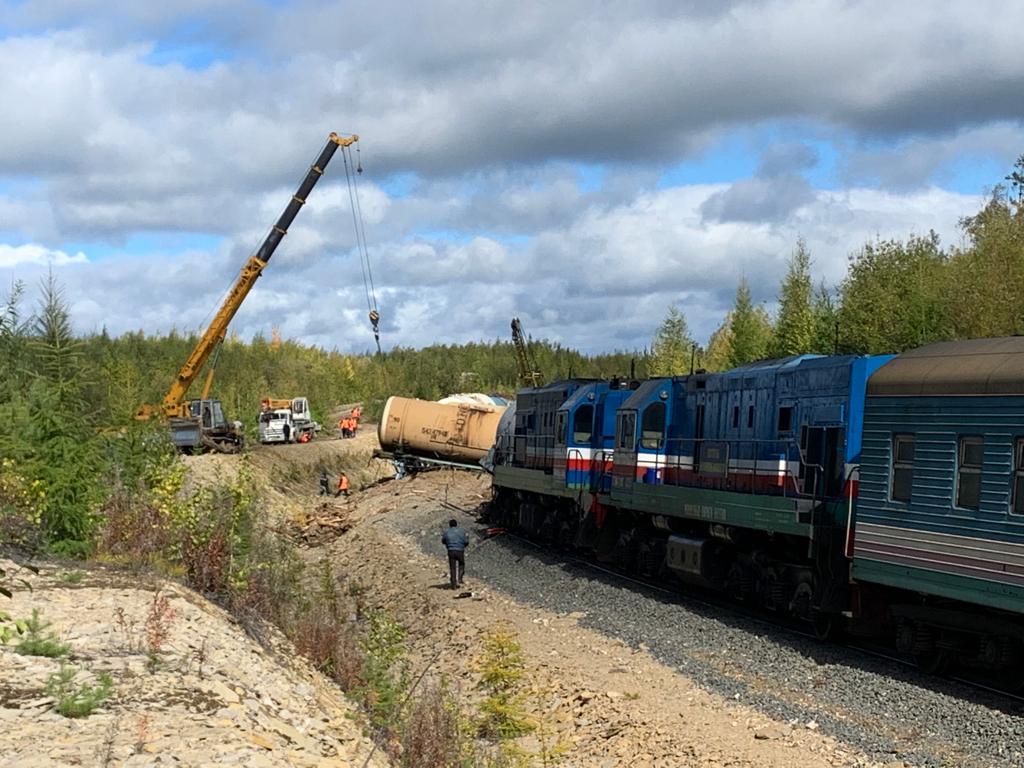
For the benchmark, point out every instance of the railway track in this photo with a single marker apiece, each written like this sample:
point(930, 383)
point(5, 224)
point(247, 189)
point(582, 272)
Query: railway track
point(696, 596)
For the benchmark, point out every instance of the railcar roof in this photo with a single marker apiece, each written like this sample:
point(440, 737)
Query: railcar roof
point(973, 367)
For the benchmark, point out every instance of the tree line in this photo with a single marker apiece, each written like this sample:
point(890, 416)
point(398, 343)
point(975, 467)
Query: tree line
point(897, 294)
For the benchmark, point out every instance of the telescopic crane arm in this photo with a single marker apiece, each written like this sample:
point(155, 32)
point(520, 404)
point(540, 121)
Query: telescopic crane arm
point(174, 401)
point(529, 376)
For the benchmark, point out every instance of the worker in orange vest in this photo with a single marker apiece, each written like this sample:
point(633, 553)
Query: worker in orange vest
point(343, 426)
point(342, 485)
point(357, 414)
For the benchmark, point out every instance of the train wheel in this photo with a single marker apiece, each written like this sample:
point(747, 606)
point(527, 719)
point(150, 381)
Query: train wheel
point(737, 583)
point(934, 662)
point(828, 627)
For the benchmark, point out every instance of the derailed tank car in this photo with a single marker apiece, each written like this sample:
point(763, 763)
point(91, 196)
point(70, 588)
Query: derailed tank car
point(456, 433)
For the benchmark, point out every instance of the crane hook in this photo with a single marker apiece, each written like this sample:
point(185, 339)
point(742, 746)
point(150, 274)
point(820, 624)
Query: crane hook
point(374, 320)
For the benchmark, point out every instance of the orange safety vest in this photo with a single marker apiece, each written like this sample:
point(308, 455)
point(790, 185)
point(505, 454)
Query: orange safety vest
point(343, 483)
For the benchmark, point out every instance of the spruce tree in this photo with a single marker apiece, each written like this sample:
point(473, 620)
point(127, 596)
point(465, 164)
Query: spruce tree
point(672, 347)
point(63, 453)
point(826, 319)
point(795, 327)
point(718, 356)
point(751, 328)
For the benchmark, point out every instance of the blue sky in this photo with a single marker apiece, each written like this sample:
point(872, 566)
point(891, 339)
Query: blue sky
point(579, 166)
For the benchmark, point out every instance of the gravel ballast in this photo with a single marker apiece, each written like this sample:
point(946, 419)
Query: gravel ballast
point(880, 707)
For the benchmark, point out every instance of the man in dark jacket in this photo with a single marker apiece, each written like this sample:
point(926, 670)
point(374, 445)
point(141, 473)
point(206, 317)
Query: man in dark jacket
point(455, 541)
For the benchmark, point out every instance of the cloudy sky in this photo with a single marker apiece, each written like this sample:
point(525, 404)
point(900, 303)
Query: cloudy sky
point(579, 164)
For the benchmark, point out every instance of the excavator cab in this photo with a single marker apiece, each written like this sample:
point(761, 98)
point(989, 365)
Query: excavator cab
point(206, 427)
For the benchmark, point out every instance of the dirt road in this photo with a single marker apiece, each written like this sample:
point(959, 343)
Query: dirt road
point(608, 704)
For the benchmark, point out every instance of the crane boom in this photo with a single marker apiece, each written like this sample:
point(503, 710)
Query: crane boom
point(529, 376)
point(174, 401)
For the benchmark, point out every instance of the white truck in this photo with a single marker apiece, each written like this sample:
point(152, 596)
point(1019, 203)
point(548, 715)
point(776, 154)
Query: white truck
point(286, 421)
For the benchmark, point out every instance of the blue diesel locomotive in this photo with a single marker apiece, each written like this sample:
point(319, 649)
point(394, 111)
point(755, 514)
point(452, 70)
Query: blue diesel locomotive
point(879, 493)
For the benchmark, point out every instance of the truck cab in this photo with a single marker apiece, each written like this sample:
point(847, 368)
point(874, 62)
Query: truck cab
point(272, 426)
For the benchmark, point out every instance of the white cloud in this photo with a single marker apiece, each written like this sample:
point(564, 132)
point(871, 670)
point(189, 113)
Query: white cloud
point(31, 253)
point(600, 280)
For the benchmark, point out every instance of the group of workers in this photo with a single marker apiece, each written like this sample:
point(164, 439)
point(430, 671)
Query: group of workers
point(350, 423)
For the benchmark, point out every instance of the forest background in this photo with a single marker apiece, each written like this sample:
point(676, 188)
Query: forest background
point(65, 401)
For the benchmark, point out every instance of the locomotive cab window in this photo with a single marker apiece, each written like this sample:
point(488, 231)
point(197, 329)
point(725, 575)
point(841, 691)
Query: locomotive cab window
point(785, 419)
point(652, 427)
point(626, 430)
point(583, 424)
point(968, 476)
point(902, 467)
point(1017, 505)
point(562, 419)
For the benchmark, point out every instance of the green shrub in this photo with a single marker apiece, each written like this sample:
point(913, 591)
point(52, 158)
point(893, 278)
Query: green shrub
point(36, 641)
point(77, 699)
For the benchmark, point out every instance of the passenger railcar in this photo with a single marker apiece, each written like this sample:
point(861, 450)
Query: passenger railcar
point(939, 534)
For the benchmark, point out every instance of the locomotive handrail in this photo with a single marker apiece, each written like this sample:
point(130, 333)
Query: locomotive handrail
point(848, 487)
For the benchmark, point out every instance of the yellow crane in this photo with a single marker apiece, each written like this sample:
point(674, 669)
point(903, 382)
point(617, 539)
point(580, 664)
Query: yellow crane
point(200, 422)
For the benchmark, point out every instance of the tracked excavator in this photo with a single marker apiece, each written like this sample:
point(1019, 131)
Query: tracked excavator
point(200, 423)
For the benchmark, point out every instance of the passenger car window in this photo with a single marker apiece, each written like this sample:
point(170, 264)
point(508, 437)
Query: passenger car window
point(902, 467)
point(968, 475)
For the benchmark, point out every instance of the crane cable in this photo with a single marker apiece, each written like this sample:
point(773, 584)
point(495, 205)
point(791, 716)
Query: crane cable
point(352, 182)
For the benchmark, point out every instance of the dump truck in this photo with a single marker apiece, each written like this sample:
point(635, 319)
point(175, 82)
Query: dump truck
point(286, 421)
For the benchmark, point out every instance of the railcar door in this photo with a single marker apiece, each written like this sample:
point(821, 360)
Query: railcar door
point(821, 470)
